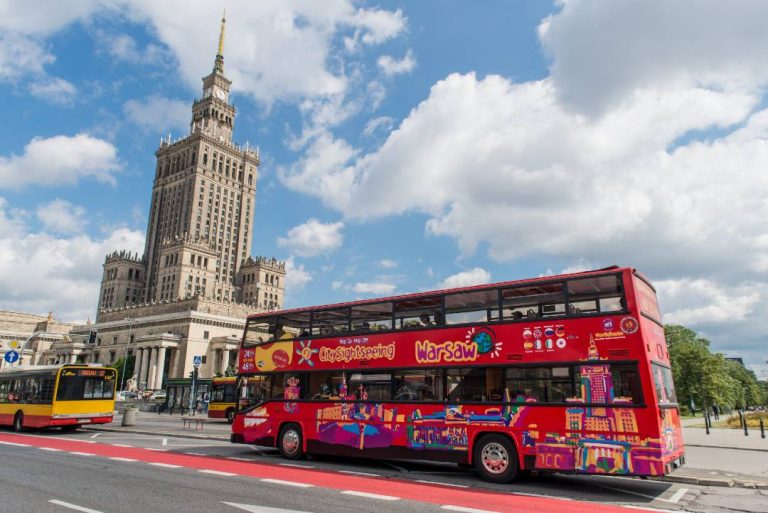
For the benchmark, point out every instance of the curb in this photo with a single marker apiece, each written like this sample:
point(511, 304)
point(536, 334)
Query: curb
point(218, 438)
point(712, 481)
point(726, 447)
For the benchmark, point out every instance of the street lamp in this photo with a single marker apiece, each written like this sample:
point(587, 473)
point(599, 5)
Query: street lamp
point(24, 344)
point(130, 321)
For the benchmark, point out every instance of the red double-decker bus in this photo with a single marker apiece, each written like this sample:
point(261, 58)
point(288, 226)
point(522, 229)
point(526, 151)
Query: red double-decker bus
point(565, 373)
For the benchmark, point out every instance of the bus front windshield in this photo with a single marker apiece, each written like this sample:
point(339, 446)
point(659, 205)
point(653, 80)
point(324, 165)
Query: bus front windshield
point(83, 384)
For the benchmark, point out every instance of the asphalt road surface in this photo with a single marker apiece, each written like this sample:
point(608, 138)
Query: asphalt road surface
point(115, 472)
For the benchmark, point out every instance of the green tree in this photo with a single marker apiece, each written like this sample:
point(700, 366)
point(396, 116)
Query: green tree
point(124, 367)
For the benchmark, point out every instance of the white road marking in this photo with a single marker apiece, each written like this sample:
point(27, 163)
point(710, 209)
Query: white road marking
point(165, 441)
point(14, 443)
point(195, 454)
point(291, 465)
point(82, 453)
point(241, 459)
point(371, 495)
point(441, 484)
point(466, 510)
point(252, 508)
point(217, 473)
point(156, 449)
point(76, 440)
point(122, 445)
point(678, 495)
point(359, 473)
point(116, 458)
point(73, 506)
point(49, 449)
point(287, 483)
point(165, 465)
point(650, 508)
point(95, 435)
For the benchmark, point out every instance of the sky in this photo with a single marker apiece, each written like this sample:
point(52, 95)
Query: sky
point(406, 146)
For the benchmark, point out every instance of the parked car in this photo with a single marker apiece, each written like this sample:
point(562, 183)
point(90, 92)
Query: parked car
point(157, 395)
point(124, 395)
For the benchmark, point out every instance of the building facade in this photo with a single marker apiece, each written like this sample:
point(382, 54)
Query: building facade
point(191, 290)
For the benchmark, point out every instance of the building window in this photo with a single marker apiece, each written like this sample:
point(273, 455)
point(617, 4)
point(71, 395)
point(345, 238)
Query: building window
point(206, 335)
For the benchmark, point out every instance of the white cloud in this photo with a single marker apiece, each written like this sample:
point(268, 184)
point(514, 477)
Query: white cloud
point(603, 51)
point(60, 216)
point(313, 238)
point(383, 123)
point(54, 90)
point(374, 288)
point(391, 66)
point(476, 276)
point(158, 114)
point(386, 263)
point(60, 160)
point(336, 285)
point(296, 277)
point(42, 272)
point(700, 302)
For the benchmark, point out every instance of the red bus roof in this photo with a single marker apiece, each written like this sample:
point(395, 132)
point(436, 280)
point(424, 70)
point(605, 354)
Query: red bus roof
point(542, 279)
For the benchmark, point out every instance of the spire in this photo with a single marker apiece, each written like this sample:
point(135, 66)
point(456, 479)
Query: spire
point(219, 64)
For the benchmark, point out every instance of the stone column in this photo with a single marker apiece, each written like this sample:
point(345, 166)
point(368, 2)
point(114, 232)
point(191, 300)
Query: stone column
point(152, 368)
point(73, 358)
point(144, 367)
point(224, 361)
point(137, 362)
point(160, 367)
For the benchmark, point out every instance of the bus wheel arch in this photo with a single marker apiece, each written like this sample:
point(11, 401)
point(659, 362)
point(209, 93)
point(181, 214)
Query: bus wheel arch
point(495, 457)
point(18, 421)
point(290, 441)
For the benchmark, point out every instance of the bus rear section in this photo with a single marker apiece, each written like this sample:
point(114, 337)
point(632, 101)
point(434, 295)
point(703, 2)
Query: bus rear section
point(222, 399)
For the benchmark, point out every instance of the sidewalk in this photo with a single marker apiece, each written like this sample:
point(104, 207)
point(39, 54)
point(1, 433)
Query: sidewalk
point(725, 438)
point(162, 424)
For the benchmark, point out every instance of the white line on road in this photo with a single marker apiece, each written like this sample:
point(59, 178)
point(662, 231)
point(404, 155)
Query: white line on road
point(371, 495)
point(359, 473)
point(49, 449)
point(156, 449)
point(95, 435)
point(14, 443)
point(291, 465)
point(678, 495)
point(165, 441)
point(251, 460)
point(466, 510)
point(73, 506)
point(252, 508)
point(217, 473)
point(82, 453)
point(287, 483)
point(122, 445)
point(165, 465)
point(195, 454)
point(441, 484)
point(116, 458)
point(650, 508)
point(76, 440)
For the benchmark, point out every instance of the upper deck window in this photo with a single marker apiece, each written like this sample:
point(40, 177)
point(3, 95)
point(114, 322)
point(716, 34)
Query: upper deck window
point(469, 307)
point(533, 301)
point(419, 312)
point(372, 317)
point(598, 294)
point(330, 322)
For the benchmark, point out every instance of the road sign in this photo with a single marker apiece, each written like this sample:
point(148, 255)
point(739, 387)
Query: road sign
point(11, 357)
point(197, 360)
point(14, 344)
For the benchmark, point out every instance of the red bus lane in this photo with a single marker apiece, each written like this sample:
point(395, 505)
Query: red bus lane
point(564, 373)
point(406, 490)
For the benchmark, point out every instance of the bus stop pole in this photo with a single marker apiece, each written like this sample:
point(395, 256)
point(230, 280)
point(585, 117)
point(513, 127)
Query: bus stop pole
point(192, 392)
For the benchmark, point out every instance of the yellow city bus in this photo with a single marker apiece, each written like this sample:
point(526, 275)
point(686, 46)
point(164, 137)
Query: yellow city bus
point(222, 401)
point(66, 396)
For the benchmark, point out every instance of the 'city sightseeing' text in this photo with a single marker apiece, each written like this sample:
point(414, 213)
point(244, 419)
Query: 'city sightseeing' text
point(347, 354)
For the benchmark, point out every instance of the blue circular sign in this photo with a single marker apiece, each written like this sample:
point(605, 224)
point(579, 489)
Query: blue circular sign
point(11, 357)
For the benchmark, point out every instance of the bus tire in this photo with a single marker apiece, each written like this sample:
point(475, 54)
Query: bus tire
point(18, 422)
point(290, 442)
point(230, 415)
point(495, 458)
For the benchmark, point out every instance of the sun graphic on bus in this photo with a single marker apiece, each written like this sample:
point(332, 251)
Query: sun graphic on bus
point(305, 353)
point(485, 340)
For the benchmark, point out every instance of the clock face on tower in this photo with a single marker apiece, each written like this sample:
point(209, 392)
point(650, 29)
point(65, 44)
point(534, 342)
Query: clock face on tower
point(221, 94)
point(207, 92)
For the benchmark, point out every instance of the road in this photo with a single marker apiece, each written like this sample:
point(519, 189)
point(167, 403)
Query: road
point(122, 474)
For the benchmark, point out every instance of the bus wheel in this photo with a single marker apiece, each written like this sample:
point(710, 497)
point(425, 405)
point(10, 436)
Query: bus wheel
point(231, 415)
point(18, 422)
point(290, 442)
point(495, 459)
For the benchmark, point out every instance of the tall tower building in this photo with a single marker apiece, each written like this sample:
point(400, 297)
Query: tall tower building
point(200, 227)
